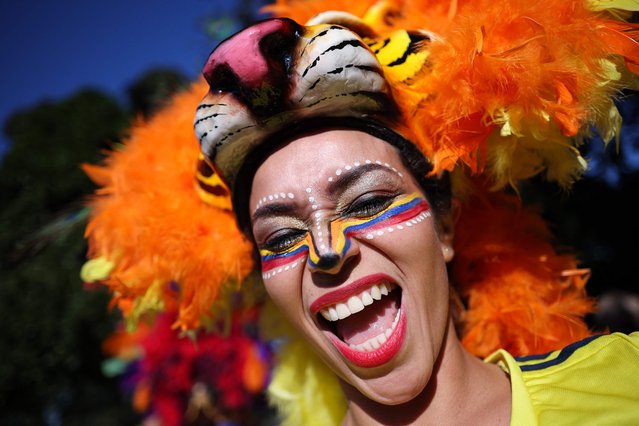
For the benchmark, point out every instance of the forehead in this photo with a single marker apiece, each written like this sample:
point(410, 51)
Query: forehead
point(307, 160)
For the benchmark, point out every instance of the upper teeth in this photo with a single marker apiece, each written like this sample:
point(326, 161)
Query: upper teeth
point(356, 303)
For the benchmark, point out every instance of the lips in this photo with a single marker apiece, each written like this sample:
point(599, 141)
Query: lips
point(364, 320)
point(356, 303)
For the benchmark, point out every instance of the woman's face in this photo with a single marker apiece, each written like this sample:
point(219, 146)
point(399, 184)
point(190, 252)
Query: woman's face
point(352, 257)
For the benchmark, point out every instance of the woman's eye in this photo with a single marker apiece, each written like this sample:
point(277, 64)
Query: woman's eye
point(283, 239)
point(369, 205)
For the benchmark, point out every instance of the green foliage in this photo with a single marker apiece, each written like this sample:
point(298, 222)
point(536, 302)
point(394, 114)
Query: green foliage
point(40, 175)
point(150, 91)
point(52, 328)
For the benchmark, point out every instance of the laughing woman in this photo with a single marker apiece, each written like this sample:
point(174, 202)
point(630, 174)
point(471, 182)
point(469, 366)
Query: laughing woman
point(363, 258)
point(365, 159)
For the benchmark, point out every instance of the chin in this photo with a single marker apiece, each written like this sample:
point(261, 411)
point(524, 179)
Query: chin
point(399, 386)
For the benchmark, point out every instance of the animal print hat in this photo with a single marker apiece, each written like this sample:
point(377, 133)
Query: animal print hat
point(494, 92)
point(276, 74)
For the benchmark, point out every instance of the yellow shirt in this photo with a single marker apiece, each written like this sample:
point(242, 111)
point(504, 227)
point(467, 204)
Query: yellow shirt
point(591, 382)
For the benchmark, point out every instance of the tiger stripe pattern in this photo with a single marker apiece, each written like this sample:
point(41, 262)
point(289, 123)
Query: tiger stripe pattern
point(300, 72)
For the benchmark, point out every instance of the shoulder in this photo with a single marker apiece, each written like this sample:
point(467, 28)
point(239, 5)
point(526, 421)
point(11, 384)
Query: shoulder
point(595, 379)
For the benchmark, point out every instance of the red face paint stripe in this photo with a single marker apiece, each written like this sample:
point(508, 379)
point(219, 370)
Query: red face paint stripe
point(342, 242)
point(278, 261)
point(393, 220)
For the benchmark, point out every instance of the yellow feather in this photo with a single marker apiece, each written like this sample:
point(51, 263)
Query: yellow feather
point(96, 269)
point(632, 5)
point(304, 389)
point(149, 304)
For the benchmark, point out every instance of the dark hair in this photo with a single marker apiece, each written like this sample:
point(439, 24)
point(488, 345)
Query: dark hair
point(436, 188)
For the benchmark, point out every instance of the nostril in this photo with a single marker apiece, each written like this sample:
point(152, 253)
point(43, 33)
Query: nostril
point(328, 261)
point(242, 52)
point(222, 78)
point(254, 65)
point(277, 48)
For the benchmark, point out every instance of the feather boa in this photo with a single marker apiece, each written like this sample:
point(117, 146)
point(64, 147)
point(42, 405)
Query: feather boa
point(166, 249)
point(521, 294)
point(511, 88)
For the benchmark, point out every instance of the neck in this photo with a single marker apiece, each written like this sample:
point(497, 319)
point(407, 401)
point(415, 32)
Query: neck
point(461, 390)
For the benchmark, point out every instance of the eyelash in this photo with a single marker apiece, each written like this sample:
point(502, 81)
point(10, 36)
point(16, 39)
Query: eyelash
point(364, 206)
point(283, 239)
point(369, 205)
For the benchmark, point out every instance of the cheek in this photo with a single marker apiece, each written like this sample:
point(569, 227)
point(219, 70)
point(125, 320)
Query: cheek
point(420, 249)
point(285, 290)
point(416, 251)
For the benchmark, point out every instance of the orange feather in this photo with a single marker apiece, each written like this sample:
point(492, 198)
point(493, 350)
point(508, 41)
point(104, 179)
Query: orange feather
point(168, 246)
point(521, 294)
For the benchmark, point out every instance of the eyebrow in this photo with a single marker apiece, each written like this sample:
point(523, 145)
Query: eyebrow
point(274, 209)
point(350, 176)
point(338, 185)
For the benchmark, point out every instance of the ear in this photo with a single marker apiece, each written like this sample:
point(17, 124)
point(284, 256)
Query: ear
point(447, 225)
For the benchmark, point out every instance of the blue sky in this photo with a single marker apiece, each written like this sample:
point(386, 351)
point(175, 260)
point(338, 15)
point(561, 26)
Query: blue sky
point(50, 49)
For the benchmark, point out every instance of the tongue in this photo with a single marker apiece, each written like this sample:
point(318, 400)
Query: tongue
point(371, 322)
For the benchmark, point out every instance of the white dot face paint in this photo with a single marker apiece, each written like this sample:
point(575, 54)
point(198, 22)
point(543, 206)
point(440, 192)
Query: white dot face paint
point(272, 197)
point(318, 239)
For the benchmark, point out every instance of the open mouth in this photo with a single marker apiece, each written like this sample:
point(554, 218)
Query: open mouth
point(365, 324)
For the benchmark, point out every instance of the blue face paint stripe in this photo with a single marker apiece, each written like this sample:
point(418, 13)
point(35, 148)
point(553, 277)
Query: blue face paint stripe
point(268, 257)
point(397, 210)
point(392, 212)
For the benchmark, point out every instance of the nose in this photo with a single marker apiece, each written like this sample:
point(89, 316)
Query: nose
point(328, 261)
point(253, 64)
point(330, 250)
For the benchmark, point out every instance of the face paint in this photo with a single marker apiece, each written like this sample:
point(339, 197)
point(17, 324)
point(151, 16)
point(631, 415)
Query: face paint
point(275, 196)
point(382, 270)
point(403, 213)
point(274, 263)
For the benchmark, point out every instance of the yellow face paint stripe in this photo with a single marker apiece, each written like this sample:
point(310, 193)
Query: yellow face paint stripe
point(398, 212)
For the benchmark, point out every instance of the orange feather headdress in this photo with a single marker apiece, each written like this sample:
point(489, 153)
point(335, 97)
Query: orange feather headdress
point(501, 91)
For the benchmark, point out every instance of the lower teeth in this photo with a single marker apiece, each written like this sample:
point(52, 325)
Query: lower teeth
point(377, 341)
